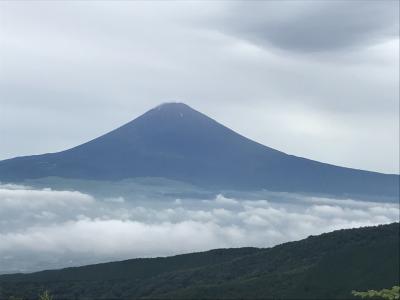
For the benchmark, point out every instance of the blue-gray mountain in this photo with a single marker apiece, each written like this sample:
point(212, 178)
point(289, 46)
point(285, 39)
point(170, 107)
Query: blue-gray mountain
point(177, 142)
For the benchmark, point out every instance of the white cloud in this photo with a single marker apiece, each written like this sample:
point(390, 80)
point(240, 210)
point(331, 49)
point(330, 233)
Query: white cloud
point(47, 229)
point(30, 198)
point(220, 199)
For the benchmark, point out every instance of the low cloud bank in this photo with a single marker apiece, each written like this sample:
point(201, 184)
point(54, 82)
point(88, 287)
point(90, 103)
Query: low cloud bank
point(48, 229)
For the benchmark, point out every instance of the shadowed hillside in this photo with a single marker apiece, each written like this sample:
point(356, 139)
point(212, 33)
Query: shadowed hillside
point(320, 267)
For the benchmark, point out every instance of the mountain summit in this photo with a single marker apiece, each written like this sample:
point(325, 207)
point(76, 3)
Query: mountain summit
point(177, 142)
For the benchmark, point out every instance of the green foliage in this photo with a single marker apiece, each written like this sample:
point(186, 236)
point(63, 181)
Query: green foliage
point(45, 296)
point(389, 294)
point(42, 296)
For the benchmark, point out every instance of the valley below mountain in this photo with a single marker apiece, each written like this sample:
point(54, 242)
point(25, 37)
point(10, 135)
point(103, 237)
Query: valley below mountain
point(134, 213)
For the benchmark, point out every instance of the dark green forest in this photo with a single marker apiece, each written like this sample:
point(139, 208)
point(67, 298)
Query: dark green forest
point(328, 266)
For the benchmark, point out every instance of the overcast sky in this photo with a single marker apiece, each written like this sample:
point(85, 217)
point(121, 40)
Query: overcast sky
point(318, 79)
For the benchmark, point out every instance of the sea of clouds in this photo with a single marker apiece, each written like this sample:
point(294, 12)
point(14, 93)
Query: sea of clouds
point(45, 228)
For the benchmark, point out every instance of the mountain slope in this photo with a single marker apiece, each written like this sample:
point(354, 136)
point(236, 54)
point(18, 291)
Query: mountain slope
point(320, 267)
point(176, 142)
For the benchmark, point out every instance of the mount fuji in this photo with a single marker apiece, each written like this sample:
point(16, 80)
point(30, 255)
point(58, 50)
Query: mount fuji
point(174, 141)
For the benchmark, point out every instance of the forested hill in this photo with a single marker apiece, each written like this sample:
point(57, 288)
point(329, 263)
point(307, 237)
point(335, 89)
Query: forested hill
point(327, 266)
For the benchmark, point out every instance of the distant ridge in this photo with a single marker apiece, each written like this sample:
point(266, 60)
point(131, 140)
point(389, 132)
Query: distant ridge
point(177, 142)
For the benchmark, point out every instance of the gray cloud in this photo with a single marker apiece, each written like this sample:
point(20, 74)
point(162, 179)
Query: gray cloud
point(73, 71)
point(48, 229)
point(314, 26)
